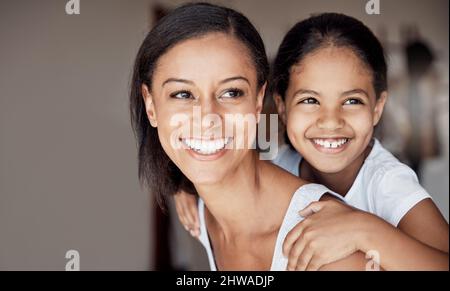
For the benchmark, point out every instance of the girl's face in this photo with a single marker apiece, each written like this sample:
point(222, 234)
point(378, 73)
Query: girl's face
point(197, 87)
point(331, 109)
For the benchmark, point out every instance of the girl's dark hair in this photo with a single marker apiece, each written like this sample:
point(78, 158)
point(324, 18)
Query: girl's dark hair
point(324, 30)
point(156, 170)
point(329, 29)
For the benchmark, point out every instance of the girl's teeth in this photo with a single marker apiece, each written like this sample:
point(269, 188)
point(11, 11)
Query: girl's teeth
point(333, 144)
point(206, 147)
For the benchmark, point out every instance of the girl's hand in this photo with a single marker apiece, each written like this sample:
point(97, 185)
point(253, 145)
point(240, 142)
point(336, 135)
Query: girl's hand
point(330, 231)
point(186, 206)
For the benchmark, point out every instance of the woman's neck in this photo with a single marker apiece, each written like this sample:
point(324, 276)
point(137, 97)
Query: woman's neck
point(239, 205)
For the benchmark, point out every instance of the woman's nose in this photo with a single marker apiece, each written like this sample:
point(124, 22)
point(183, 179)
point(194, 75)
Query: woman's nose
point(207, 106)
point(207, 115)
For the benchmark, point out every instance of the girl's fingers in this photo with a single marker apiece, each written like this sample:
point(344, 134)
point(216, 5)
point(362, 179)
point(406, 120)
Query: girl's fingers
point(295, 253)
point(181, 212)
point(191, 221)
point(292, 237)
point(311, 209)
point(195, 216)
point(304, 259)
point(314, 264)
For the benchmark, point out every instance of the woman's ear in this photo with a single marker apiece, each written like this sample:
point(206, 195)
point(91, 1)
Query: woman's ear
point(281, 107)
point(379, 107)
point(260, 101)
point(149, 106)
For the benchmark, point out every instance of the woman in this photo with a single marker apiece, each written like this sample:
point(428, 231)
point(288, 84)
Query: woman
point(207, 59)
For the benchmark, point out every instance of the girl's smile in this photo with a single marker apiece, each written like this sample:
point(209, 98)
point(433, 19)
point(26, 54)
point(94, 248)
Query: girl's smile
point(330, 145)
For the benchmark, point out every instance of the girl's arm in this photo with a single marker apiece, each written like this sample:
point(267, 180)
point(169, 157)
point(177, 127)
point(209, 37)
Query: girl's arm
point(419, 243)
point(332, 231)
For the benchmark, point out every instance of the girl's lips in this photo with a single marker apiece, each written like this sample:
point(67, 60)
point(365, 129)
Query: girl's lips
point(330, 145)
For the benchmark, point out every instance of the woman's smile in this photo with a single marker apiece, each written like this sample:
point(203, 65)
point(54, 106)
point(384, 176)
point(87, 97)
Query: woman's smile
point(206, 149)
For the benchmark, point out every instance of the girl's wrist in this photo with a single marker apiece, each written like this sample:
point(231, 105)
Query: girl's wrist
point(370, 228)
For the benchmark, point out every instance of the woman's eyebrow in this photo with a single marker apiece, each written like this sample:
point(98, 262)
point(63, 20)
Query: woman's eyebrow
point(356, 91)
point(234, 79)
point(177, 80)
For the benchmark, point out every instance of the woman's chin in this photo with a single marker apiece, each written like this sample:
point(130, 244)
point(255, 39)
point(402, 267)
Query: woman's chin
point(205, 180)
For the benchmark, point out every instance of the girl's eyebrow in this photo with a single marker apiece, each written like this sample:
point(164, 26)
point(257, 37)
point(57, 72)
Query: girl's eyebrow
point(306, 91)
point(356, 91)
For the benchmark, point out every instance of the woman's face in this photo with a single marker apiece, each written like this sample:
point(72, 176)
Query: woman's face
point(198, 87)
point(331, 108)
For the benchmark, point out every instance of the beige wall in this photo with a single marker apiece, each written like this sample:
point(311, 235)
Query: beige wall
point(68, 175)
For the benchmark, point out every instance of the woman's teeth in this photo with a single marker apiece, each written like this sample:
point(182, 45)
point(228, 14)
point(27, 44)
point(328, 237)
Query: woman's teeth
point(206, 147)
point(331, 143)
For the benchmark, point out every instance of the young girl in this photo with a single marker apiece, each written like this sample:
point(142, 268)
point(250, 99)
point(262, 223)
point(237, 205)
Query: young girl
point(211, 59)
point(330, 89)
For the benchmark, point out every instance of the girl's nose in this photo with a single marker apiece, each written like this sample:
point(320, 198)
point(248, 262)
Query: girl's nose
point(330, 120)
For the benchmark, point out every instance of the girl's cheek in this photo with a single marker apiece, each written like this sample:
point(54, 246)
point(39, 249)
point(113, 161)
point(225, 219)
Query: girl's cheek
point(361, 122)
point(297, 123)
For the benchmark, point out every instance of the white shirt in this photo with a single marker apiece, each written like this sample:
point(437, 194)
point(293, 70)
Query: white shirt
point(384, 186)
point(300, 199)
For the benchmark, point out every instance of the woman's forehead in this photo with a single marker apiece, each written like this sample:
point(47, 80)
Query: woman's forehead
point(215, 54)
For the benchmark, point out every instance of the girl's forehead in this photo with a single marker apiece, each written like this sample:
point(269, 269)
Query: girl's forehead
point(331, 71)
point(331, 57)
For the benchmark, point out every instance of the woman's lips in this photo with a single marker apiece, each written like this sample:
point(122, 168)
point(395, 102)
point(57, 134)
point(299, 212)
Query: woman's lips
point(206, 149)
point(330, 145)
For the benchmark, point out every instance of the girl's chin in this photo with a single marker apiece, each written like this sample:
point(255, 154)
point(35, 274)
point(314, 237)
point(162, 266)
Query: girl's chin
point(329, 167)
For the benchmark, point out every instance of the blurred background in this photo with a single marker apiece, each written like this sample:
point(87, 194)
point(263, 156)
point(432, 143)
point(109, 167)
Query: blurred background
point(68, 167)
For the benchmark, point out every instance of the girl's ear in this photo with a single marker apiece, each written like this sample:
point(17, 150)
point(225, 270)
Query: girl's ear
point(379, 107)
point(149, 106)
point(260, 101)
point(281, 107)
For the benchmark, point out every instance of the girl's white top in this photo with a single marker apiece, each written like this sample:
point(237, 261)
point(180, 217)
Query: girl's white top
point(384, 186)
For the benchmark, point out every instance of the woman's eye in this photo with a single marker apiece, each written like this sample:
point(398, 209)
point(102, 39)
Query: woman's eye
point(309, 100)
point(181, 95)
point(353, 101)
point(232, 93)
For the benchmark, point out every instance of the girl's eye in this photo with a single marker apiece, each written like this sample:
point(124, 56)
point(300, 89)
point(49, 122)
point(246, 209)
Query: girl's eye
point(181, 95)
point(232, 93)
point(353, 101)
point(309, 100)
